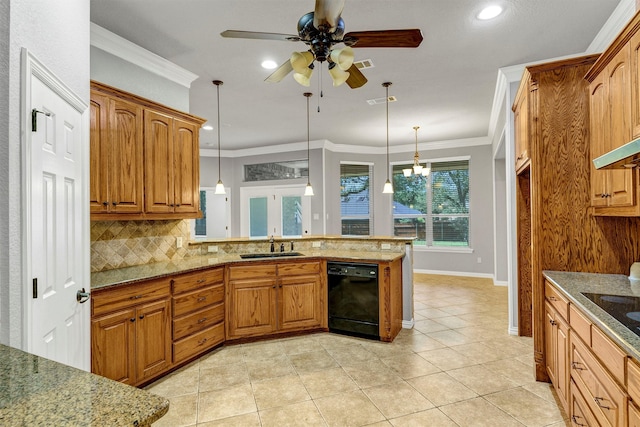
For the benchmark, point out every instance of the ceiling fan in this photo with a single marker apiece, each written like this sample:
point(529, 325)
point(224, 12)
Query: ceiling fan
point(321, 30)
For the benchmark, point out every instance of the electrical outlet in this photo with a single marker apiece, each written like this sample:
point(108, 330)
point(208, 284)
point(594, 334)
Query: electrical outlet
point(479, 260)
point(316, 244)
point(213, 249)
point(385, 246)
point(179, 242)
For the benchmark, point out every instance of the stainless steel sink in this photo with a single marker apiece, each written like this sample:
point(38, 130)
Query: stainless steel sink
point(270, 255)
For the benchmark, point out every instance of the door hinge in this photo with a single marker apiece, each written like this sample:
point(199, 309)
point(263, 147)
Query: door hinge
point(34, 118)
point(34, 284)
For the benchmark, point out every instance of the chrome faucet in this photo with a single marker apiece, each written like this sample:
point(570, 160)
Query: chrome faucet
point(273, 248)
point(281, 247)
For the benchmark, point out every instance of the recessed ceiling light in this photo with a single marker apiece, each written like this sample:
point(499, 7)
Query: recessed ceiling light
point(207, 127)
point(269, 64)
point(490, 12)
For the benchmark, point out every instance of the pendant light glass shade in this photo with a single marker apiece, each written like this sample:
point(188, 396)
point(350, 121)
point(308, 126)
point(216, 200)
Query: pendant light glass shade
point(388, 187)
point(219, 185)
point(308, 191)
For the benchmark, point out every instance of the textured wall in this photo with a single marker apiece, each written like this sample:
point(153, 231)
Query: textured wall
point(117, 244)
point(57, 33)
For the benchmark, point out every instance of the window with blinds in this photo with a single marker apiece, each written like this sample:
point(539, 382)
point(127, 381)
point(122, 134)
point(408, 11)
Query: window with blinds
point(435, 208)
point(356, 202)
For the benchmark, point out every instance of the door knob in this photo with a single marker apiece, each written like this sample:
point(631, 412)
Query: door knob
point(82, 296)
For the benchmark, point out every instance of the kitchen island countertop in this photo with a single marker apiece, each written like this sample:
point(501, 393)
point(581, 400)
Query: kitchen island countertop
point(572, 285)
point(38, 391)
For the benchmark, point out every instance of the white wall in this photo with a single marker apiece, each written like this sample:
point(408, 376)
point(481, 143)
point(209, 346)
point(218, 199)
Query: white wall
point(114, 71)
point(4, 169)
point(57, 33)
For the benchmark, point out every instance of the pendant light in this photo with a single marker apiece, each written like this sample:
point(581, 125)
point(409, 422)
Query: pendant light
point(388, 187)
point(308, 191)
point(219, 185)
point(417, 169)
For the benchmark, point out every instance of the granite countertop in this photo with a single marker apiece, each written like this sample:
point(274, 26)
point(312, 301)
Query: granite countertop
point(137, 273)
point(39, 391)
point(573, 284)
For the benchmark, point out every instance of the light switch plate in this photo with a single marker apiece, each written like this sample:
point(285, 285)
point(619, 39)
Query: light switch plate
point(179, 242)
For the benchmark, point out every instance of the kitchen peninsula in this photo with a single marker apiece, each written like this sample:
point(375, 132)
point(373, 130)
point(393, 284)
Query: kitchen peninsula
point(165, 314)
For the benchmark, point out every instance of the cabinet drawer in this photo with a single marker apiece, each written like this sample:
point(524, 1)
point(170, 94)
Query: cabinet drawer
point(198, 342)
point(298, 268)
point(609, 353)
point(580, 324)
point(197, 321)
point(633, 381)
point(581, 415)
point(199, 279)
point(605, 399)
point(121, 297)
point(197, 299)
point(560, 303)
point(252, 271)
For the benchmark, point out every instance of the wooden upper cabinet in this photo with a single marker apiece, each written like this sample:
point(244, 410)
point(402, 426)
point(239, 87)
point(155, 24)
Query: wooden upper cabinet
point(116, 156)
point(172, 164)
point(145, 158)
point(615, 119)
point(521, 122)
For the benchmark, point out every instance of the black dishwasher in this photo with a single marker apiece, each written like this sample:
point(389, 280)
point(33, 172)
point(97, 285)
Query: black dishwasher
point(353, 299)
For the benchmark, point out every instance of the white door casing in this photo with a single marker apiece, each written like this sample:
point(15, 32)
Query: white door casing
point(56, 217)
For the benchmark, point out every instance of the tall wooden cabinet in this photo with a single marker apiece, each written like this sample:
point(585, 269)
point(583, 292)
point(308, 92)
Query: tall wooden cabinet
point(554, 232)
point(145, 158)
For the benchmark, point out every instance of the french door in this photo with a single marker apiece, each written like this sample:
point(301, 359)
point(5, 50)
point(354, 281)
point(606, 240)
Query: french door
point(279, 211)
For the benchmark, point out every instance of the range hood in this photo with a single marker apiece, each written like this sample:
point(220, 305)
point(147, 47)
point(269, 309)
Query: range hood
point(627, 156)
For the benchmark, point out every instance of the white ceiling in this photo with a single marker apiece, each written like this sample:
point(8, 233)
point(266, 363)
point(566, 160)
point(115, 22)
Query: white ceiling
point(446, 86)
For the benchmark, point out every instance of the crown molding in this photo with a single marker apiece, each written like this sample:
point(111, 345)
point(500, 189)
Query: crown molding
point(344, 148)
point(621, 15)
point(124, 49)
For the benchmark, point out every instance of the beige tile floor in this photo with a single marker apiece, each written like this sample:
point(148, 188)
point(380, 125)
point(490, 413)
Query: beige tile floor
point(456, 367)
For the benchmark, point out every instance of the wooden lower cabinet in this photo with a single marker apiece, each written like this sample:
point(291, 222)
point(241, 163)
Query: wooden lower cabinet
point(634, 415)
point(132, 345)
point(581, 415)
point(269, 298)
point(556, 351)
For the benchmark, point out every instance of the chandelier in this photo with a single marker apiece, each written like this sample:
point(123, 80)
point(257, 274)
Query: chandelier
point(417, 169)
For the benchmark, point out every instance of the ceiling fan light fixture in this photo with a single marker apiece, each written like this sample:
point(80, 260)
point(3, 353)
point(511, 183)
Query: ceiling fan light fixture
point(300, 61)
point(303, 78)
point(343, 58)
point(338, 75)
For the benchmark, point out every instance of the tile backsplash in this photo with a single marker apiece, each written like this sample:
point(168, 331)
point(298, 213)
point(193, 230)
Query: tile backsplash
point(117, 244)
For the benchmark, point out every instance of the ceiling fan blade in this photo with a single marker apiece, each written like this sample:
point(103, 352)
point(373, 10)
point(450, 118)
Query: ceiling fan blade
point(327, 13)
point(384, 38)
point(356, 78)
point(280, 73)
point(260, 36)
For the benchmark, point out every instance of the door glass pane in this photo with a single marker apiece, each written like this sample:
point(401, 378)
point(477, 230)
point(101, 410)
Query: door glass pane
point(258, 217)
point(291, 216)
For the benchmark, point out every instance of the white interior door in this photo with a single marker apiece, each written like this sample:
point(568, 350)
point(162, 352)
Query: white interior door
point(57, 227)
point(215, 222)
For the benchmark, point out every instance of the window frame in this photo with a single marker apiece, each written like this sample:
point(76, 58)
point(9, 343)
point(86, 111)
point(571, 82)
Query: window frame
point(435, 248)
point(370, 216)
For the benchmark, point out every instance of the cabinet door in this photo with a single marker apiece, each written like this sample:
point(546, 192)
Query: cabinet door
point(153, 339)
point(634, 50)
point(299, 303)
point(550, 340)
point(186, 159)
point(562, 362)
point(598, 105)
point(251, 307)
point(158, 146)
point(621, 185)
point(125, 150)
point(98, 154)
point(521, 122)
point(112, 346)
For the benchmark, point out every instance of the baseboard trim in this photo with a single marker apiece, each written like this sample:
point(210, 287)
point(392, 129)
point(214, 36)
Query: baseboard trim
point(462, 274)
point(408, 324)
point(513, 330)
